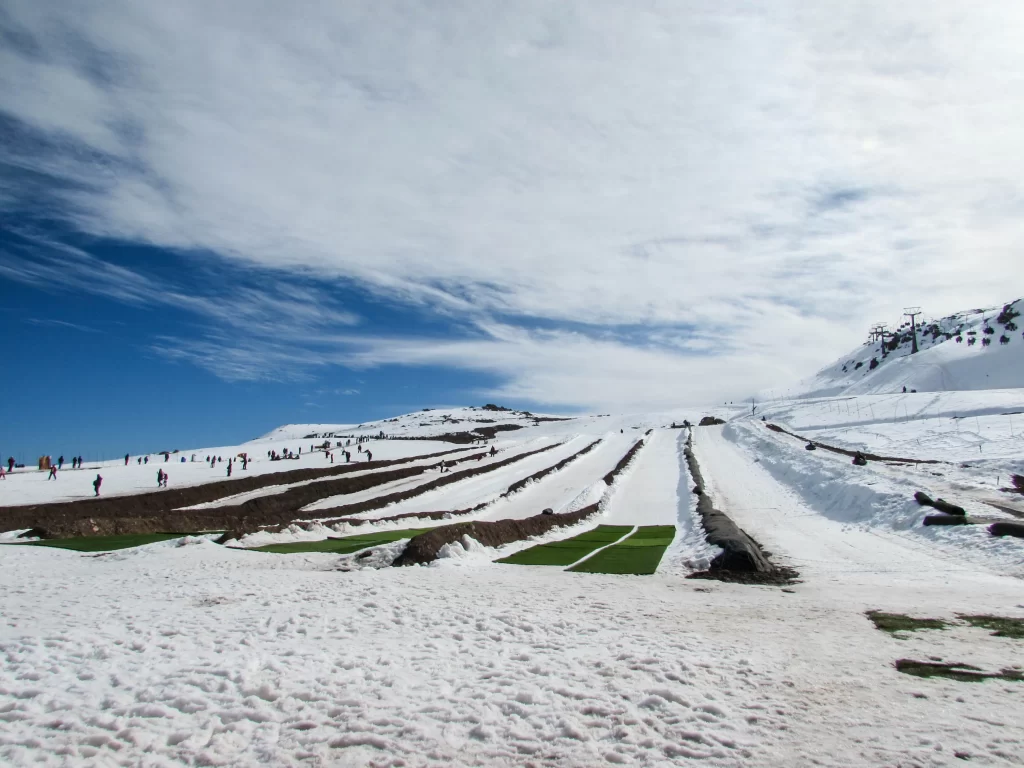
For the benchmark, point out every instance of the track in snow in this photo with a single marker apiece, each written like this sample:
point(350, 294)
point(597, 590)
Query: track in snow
point(273, 490)
point(561, 489)
point(474, 490)
point(818, 547)
point(653, 491)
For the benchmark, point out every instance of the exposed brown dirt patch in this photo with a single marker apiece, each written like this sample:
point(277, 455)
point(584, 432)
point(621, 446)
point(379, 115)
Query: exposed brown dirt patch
point(160, 511)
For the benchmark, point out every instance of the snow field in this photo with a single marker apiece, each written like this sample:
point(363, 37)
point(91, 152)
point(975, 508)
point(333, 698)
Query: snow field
point(30, 486)
point(841, 516)
point(236, 658)
point(273, 490)
point(485, 487)
point(567, 490)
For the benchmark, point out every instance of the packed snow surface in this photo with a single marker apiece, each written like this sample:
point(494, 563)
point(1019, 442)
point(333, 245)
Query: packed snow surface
point(188, 652)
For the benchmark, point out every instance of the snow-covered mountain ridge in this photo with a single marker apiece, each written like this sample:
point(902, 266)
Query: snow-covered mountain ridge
point(971, 350)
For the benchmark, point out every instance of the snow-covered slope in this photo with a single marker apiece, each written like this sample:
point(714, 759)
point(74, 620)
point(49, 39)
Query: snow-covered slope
point(428, 422)
point(972, 350)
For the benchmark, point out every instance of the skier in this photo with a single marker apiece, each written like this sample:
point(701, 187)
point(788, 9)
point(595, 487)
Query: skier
point(96, 484)
point(493, 450)
point(146, 460)
point(229, 467)
point(3, 474)
point(138, 460)
point(166, 478)
point(10, 464)
point(126, 457)
point(369, 456)
point(53, 472)
point(159, 478)
point(859, 459)
point(60, 462)
point(245, 461)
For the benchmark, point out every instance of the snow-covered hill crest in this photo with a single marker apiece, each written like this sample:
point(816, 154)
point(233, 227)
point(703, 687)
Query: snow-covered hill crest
point(971, 350)
point(429, 422)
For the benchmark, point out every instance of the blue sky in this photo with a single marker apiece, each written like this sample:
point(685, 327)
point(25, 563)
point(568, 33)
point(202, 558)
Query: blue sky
point(215, 220)
point(89, 373)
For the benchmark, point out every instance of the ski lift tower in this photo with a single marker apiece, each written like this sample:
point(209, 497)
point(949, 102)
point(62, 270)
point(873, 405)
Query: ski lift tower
point(881, 330)
point(912, 313)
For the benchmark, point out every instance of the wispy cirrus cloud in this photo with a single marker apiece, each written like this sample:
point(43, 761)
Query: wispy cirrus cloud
point(285, 310)
point(732, 177)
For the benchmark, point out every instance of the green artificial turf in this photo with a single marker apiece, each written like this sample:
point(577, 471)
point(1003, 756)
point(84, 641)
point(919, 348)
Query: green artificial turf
point(640, 554)
point(344, 546)
point(107, 543)
point(568, 551)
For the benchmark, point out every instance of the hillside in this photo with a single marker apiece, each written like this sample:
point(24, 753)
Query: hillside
point(971, 350)
point(432, 422)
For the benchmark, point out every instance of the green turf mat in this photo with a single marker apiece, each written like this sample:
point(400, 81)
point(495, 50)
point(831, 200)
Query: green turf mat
point(107, 543)
point(568, 551)
point(343, 546)
point(639, 554)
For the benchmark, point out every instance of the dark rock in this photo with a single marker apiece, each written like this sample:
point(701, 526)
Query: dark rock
point(710, 421)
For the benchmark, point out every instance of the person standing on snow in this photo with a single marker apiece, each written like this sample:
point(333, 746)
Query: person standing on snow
point(369, 456)
point(60, 462)
point(159, 478)
point(96, 484)
point(10, 464)
point(53, 472)
point(126, 457)
point(229, 467)
point(166, 478)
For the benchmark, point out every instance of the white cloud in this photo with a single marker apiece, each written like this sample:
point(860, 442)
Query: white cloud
point(760, 180)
